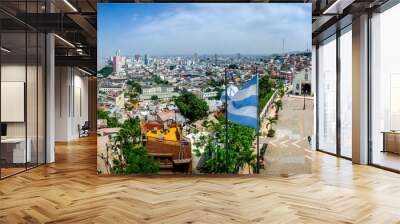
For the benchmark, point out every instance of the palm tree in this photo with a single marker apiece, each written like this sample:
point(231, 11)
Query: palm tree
point(278, 105)
point(270, 121)
point(281, 92)
point(129, 133)
point(247, 157)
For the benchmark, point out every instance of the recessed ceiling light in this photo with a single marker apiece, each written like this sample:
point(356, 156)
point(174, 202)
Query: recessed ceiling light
point(70, 5)
point(64, 40)
point(5, 50)
point(86, 72)
point(337, 7)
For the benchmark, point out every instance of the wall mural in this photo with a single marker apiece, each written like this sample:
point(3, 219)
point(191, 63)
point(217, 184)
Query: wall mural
point(204, 88)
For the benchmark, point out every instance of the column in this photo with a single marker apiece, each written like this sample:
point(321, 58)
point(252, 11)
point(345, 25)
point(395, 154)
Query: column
point(360, 90)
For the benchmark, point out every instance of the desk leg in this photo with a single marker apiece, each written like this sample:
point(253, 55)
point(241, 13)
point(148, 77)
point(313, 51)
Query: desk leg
point(384, 142)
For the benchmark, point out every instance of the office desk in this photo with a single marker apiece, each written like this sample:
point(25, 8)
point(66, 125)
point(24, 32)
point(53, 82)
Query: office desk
point(13, 150)
point(391, 141)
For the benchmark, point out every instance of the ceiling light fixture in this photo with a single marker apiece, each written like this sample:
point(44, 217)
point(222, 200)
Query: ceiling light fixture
point(86, 72)
point(337, 7)
point(5, 50)
point(64, 40)
point(70, 5)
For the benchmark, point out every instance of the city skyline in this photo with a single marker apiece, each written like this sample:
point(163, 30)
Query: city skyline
point(205, 29)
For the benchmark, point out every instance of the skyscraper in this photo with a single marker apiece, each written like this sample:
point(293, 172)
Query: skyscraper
point(117, 62)
point(146, 60)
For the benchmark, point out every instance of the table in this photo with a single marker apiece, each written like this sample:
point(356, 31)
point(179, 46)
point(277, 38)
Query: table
point(13, 150)
point(391, 141)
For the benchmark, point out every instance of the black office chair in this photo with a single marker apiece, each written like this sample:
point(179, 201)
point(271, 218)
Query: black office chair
point(84, 130)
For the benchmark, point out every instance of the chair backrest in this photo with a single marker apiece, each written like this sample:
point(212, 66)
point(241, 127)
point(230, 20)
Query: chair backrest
point(86, 125)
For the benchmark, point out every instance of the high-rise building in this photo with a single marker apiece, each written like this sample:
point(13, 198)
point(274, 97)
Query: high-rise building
point(146, 60)
point(117, 62)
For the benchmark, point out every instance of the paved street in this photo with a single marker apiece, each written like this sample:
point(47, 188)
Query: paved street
point(288, 151)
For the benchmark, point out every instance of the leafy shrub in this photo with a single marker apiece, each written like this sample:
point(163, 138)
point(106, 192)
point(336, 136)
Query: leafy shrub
point(271, 133)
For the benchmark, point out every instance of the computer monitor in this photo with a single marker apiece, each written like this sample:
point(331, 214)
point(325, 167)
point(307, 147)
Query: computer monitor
point(3, 130)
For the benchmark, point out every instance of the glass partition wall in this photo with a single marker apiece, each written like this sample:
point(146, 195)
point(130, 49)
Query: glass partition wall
point(385, 89)
point(327, 95)
point(334, 108)
point(334, 104)
point(345, 60)
point(22, 94)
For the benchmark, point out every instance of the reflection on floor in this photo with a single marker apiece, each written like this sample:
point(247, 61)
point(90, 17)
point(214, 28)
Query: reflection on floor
point(69, 191)
point(10, 171)
point(289, 151)
point(386, 159)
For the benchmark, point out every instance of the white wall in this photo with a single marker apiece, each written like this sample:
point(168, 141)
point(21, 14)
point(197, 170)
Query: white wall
point(12, 73)
point(71, 102)
point(33, 126)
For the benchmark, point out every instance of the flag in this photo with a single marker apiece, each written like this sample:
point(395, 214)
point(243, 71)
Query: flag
point(243, 106)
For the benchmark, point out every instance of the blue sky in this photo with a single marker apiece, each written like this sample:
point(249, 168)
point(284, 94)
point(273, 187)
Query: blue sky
point(162, 29)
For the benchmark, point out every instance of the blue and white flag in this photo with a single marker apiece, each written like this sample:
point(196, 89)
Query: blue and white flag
point(242, 107)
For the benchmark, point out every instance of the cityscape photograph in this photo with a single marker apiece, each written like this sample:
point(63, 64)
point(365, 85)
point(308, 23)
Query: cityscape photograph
point(204, 89)
point(181, 112)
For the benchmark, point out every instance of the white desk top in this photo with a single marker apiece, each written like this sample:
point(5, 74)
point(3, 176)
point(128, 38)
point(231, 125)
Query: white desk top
point(13, 140)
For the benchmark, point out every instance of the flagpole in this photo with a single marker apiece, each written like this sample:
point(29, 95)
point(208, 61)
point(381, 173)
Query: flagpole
point(226, 122)
point(257, 129)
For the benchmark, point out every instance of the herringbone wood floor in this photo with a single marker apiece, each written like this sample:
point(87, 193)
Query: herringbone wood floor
point(70, 192)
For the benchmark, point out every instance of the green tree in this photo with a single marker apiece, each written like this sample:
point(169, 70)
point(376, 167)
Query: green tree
point(281, 92)
point(102, 114)
point(134, 86)
point(105, 71)
point(280, 84)
point(271, 133)
point(154, 97)
point(240, 140)
point(137, 160)
point(117, 167)
point(278, 105)
point(265, 86)
point(233, 66)
point(129, 133)
point(158, 80)
point(112, 121)
point(213, 82)
point(270, 121)
point(192, 107)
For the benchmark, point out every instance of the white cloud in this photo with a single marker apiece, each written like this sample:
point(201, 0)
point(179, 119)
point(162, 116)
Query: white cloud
point(220, 28)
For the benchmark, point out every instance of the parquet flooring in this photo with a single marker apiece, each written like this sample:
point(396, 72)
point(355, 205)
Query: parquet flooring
point(69, 191)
